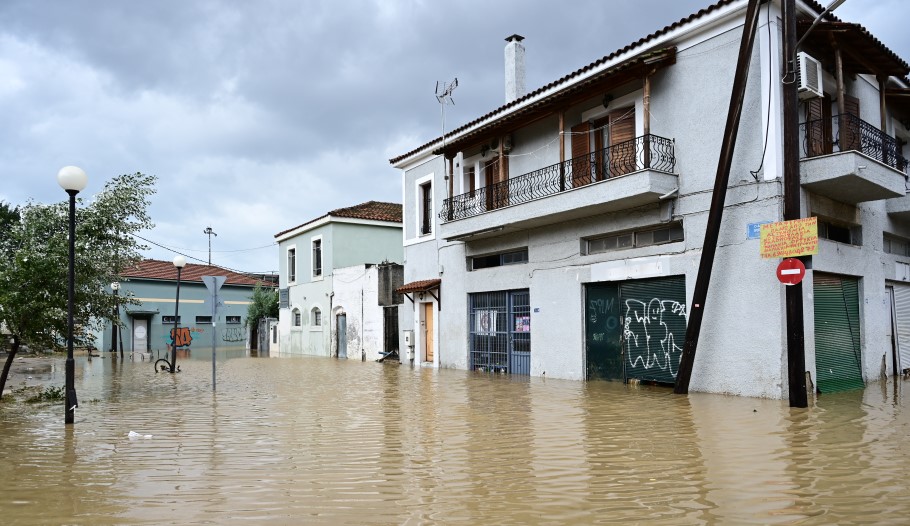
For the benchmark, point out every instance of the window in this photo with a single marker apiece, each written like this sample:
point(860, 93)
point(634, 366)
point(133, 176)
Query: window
point(895, 245)
point(317, 258)
point(296, 318)
point(232, 320)
point(317, 317)
point(633, 239)
point(497, 260)
point(292, 265)
point(839, 232)
point(426, 208)
point(169, 320)
point(203, 319)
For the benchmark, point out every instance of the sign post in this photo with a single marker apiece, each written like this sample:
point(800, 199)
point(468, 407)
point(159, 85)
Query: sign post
point(213, 284)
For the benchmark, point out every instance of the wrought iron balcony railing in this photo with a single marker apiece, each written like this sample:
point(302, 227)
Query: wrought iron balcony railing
point(641, 153)
point(847, 132)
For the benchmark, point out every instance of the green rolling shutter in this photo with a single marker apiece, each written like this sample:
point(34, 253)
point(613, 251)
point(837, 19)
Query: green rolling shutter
point(603, 332)
point(837, 343)
point(654, 327)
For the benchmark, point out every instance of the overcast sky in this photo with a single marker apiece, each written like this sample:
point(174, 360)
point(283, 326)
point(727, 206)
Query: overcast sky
point(259, 116)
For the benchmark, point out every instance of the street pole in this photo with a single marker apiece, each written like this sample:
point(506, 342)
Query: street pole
point(796, 353)
point(179, 262)
point(115, 286)
point(73, 180)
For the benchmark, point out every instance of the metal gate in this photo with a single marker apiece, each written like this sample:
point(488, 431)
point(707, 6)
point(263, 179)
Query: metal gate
point(837, 343)
point(902, 320)
point(500, 332)
point(341, 335)
point(390, 330)
point(654, 327)
point(603, 332)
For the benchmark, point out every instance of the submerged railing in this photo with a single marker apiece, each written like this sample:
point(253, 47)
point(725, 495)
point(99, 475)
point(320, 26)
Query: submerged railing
point(846, 132)
point(641, 153)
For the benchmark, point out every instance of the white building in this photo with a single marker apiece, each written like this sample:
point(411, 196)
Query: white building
point(337, 274)
point(567, 238)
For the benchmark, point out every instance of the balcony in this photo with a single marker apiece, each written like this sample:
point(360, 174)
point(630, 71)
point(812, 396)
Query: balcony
point(625, 175)
point(851, 161)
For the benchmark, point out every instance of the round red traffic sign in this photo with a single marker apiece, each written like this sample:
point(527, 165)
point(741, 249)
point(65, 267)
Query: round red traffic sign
point(791, 271)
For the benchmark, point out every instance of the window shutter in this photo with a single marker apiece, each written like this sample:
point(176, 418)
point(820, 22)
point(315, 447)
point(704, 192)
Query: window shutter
point(622, 141)
point(581, 158)
point(849, 126)
point(815, 127)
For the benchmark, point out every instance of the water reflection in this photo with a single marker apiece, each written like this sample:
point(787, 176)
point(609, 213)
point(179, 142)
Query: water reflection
point(313, 440)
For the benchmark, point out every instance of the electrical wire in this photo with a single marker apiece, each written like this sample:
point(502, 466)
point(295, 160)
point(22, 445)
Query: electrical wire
point(202, 261)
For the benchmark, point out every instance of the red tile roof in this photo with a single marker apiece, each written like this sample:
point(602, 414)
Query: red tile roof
point(165, 270)
point(419, 286)
point(371, 210)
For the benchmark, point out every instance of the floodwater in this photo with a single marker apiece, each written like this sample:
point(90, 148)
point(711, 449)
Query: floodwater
point(321, 441)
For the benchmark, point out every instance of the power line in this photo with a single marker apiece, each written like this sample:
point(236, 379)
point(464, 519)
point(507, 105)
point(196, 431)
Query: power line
point(177, 251)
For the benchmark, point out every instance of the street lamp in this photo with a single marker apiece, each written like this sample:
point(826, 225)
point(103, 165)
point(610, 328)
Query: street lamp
point(115, 286)
point(179, 262)
point(73, 180)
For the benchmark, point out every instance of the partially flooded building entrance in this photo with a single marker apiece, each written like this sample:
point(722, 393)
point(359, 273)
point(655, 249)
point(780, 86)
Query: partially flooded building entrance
point(635, 329)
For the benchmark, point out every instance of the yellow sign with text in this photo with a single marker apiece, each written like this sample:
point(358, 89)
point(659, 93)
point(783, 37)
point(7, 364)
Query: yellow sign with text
point(789, 239)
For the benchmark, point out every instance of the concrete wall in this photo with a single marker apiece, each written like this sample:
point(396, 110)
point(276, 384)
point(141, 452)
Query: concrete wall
point(356, 294)
point(359, 244)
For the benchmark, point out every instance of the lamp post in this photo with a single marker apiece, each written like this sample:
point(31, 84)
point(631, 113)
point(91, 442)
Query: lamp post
point(115, 286)
point(179, 262)
point(73, 180)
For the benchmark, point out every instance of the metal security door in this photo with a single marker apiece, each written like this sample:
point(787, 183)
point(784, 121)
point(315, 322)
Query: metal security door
point(341, 335)
point(837, 344)
point(654, 327)
point(902, 317)
point(603, 332)
point(500, 332)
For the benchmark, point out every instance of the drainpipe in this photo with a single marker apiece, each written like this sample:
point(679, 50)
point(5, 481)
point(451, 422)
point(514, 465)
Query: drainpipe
point(330, 316)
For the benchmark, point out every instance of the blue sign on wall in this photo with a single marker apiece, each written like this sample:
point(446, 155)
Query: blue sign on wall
point(753, 230)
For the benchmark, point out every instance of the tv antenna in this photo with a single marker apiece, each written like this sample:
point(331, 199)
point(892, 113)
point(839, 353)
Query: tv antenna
point(444, 96)
point(209, 232)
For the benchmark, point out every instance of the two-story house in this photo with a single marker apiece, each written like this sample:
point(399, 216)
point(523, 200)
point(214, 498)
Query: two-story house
point(560, 234)
point(337, 273)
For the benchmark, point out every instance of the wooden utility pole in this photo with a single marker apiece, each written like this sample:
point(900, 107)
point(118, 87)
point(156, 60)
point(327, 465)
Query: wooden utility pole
point(796, 353)
point(697, 307)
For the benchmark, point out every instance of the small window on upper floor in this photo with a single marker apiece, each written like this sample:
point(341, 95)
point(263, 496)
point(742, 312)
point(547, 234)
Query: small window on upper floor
point(633, 239)
point(317, 258)
point(426, 208)
point(840, 232)
point(169, 320)
point(513, 257)
point(232, 320)
point(896, 245)
point(203, 319)
point(292, 265)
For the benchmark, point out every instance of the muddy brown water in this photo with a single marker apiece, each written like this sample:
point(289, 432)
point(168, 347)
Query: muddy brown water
point(321, 441)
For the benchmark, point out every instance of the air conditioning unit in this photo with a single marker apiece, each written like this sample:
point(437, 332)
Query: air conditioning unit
point(808, 76)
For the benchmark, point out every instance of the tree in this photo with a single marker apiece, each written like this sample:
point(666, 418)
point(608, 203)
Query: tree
point(33, 269)
point(264, 304)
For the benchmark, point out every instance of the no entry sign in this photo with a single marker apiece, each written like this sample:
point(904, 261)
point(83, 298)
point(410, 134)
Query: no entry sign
point(791, 271)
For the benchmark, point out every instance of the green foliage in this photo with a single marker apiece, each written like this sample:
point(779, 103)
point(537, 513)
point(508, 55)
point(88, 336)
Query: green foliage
point(264, 305)
point(50, 393)
point(33, 275)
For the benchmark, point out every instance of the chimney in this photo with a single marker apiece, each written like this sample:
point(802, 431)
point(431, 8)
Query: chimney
point(515, 68)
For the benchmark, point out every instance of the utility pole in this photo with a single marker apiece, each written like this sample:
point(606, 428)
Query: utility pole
point(208, 231)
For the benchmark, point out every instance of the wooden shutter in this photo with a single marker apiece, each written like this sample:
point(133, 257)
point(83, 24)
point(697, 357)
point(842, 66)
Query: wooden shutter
point(622, 141)
point(850, 138)
point(581, 150)
point(816, 138)
point(491, 175)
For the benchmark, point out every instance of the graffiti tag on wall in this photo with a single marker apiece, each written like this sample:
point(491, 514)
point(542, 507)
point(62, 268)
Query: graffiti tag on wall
point(181, 337)
point(649, 341)
point(234, 334)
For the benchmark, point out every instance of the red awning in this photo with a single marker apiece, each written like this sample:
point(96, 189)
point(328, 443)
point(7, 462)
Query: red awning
point(419, 286)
